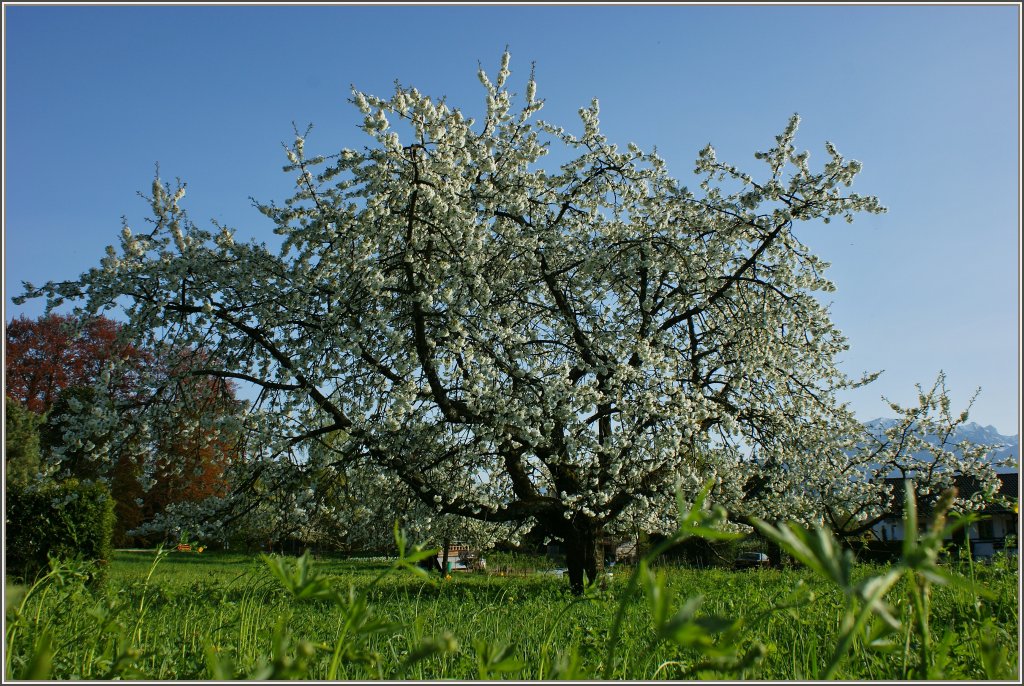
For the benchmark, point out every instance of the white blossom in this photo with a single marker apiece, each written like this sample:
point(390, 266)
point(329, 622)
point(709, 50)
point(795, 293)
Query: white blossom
point(492, 334)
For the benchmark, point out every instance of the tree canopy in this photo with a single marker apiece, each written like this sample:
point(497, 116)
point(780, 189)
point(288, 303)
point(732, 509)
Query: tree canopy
point(44, 356)
point(94, 391)
point(512, 341)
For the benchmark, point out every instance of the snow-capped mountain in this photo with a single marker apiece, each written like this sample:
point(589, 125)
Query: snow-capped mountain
point(1009, 446)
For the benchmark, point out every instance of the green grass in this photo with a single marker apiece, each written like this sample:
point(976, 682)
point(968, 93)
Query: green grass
point(231, 604)
point(219, 615)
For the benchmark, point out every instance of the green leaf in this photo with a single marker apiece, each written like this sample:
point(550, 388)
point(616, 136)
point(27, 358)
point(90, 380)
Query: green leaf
point(817, 550)
point(299, 580)
point(495, 658)
point(995, 656)
point(799, 596)
point(673, 629)
point(40, 664)
point(568, 666)
point(218, 668)
point(430, 646)
point(881, 636)
point(695, 520)
point(909, 520)
point(657, 597)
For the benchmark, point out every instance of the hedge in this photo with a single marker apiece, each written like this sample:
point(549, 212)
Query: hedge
point(62, 520)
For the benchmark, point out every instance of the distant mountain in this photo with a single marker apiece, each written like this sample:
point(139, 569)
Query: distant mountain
point(975, 433)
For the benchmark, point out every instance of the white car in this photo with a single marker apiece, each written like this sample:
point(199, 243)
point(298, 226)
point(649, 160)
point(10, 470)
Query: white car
point(750, 560)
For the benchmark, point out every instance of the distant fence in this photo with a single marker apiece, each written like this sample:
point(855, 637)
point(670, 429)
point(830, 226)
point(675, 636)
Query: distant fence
point(511, 571)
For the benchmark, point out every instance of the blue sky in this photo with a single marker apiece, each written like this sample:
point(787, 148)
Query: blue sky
point(926, 97)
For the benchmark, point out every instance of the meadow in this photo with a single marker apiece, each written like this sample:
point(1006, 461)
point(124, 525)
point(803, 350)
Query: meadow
point(170, 615)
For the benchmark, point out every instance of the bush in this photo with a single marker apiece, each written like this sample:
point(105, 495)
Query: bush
point(21, 443)
point(67, 520)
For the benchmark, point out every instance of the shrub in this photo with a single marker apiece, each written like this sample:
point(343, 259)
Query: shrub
point(67, 520)
point(21, 443)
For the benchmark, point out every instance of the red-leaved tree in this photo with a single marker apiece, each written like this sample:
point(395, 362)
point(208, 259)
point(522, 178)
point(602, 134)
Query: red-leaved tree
point(47, 355)
point(52, 364)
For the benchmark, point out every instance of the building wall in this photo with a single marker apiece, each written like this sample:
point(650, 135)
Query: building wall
point(889, 530)
point(986, 537)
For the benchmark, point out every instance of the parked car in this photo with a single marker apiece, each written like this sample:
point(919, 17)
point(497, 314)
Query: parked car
point(751, 560)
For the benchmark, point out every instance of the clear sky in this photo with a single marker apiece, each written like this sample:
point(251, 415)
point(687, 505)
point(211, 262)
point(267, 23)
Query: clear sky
point(926, 97)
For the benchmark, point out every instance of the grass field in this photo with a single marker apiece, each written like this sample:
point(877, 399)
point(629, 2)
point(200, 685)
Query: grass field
point(220, 615)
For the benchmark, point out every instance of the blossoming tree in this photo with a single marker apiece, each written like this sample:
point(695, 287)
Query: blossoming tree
point(509, 341)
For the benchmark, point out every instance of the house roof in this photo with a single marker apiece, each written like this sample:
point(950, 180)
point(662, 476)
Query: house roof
point(967, 486)
point(1011, 482)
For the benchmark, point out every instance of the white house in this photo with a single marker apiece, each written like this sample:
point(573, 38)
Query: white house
point(987, 537)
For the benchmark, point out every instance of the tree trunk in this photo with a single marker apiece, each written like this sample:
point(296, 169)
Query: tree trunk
point(444, 557)
point(961, 544)
point(581, 557)
point(774, 554)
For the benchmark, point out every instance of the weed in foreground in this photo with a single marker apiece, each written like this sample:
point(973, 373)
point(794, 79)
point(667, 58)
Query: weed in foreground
point(826, 620)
